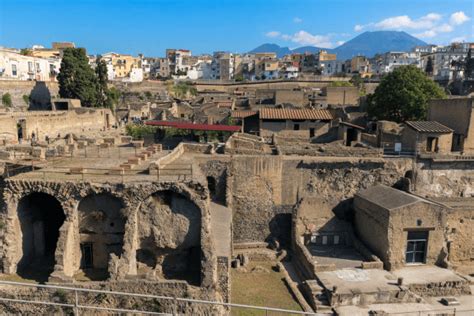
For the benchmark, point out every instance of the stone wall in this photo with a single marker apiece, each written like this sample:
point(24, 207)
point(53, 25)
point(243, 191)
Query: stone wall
point(40, 92)
point(52, 123)
point(449, 178)
point(265, 189)
point(134, 200)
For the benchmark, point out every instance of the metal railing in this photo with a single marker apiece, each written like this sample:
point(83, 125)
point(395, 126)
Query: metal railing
point(77, 306)
point(435, 312)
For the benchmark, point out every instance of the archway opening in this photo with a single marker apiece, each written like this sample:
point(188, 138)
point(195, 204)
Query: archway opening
point(169, 238)
point(41, 216)
point(101, 231)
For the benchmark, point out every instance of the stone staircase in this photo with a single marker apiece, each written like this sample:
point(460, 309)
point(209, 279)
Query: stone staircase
point(134, 161)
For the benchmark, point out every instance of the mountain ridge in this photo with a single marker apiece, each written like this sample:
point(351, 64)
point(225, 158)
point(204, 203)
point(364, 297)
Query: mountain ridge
point(367, 44)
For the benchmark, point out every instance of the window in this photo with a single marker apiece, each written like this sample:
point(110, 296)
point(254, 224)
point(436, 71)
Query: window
point(14, 72)
point(296, 127)
point(416, 247)
point(38, 69)
point(30, 66)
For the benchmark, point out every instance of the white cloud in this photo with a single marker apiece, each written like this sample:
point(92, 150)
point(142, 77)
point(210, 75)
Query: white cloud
point(272, 34)
point(405, 22)
point(426, 34)
point(458, 18)
point(297, 20)
point(459, 39)
point(427, 26)
point(305, 38)
point(443, 28)
point(339, 43)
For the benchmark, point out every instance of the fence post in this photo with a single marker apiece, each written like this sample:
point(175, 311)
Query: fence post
point(76, 304)
point(175, 307)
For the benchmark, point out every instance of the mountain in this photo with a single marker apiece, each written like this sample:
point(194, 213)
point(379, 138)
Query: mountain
point(371, 43)
point(272, 48)
point(367, 44)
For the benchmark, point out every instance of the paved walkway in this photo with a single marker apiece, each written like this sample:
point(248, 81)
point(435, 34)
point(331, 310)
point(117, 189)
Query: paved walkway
point(221, 221)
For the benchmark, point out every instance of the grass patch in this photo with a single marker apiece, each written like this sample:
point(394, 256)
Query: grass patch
point(260, 289)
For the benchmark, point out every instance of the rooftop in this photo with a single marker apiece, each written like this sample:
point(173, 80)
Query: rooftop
point(198, 127)
point(294, 114)
point(387, 197)
point(428, 127)
point(243, 114)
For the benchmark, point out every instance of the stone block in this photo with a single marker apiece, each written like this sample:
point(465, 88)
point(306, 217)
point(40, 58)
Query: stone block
point(137, 143)
point(72, 147)
point(81, 144)
point(117, 171)
point(38, 152)
point(105, 145)
point(110, 140)
point(134, 160)
point(126, 139)
point(77, 170)
point(6, 155)
point(126, 166)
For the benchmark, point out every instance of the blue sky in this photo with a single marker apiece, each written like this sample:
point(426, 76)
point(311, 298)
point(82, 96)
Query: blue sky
point(151, 26)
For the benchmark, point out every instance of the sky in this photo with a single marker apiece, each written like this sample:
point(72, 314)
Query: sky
point(151, 26)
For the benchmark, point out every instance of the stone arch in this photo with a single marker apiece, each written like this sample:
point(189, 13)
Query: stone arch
point(101, 229)
point(169, 238)
point(40, 217)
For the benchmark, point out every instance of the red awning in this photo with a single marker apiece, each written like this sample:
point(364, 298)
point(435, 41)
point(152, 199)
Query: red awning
point(192, 126)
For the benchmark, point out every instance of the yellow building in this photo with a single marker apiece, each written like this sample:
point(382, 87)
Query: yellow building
point(45, 53)
point(325, 56)
point(361, 65)
point(122, 64)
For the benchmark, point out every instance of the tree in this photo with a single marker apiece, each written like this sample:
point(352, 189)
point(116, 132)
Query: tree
point(358, 82)
point(403, 95)
point(7, 100)
point(469, 65)
point(77, 80)
point(26, 52)
point(102, 89)
point(429, 66)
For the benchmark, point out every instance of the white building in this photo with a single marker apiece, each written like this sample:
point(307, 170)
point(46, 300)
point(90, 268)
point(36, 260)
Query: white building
point(290, 72)
point(222, 66)
point(136, 75)
point(391, 60)
point(14, 66)
point(331, 67)
point(445, 60)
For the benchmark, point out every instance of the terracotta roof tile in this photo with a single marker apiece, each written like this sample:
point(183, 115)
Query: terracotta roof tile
point(295, 114)
point(428, 127)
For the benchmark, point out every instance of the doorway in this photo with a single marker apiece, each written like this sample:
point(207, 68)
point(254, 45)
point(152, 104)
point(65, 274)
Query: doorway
point(417, 242)
point(87, 259)
point(41, 216)
point(351, 136)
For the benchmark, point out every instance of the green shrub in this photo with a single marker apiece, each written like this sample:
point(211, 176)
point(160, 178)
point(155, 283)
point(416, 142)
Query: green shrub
point(139, 131)
point(7, 99)
point(26, 98)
